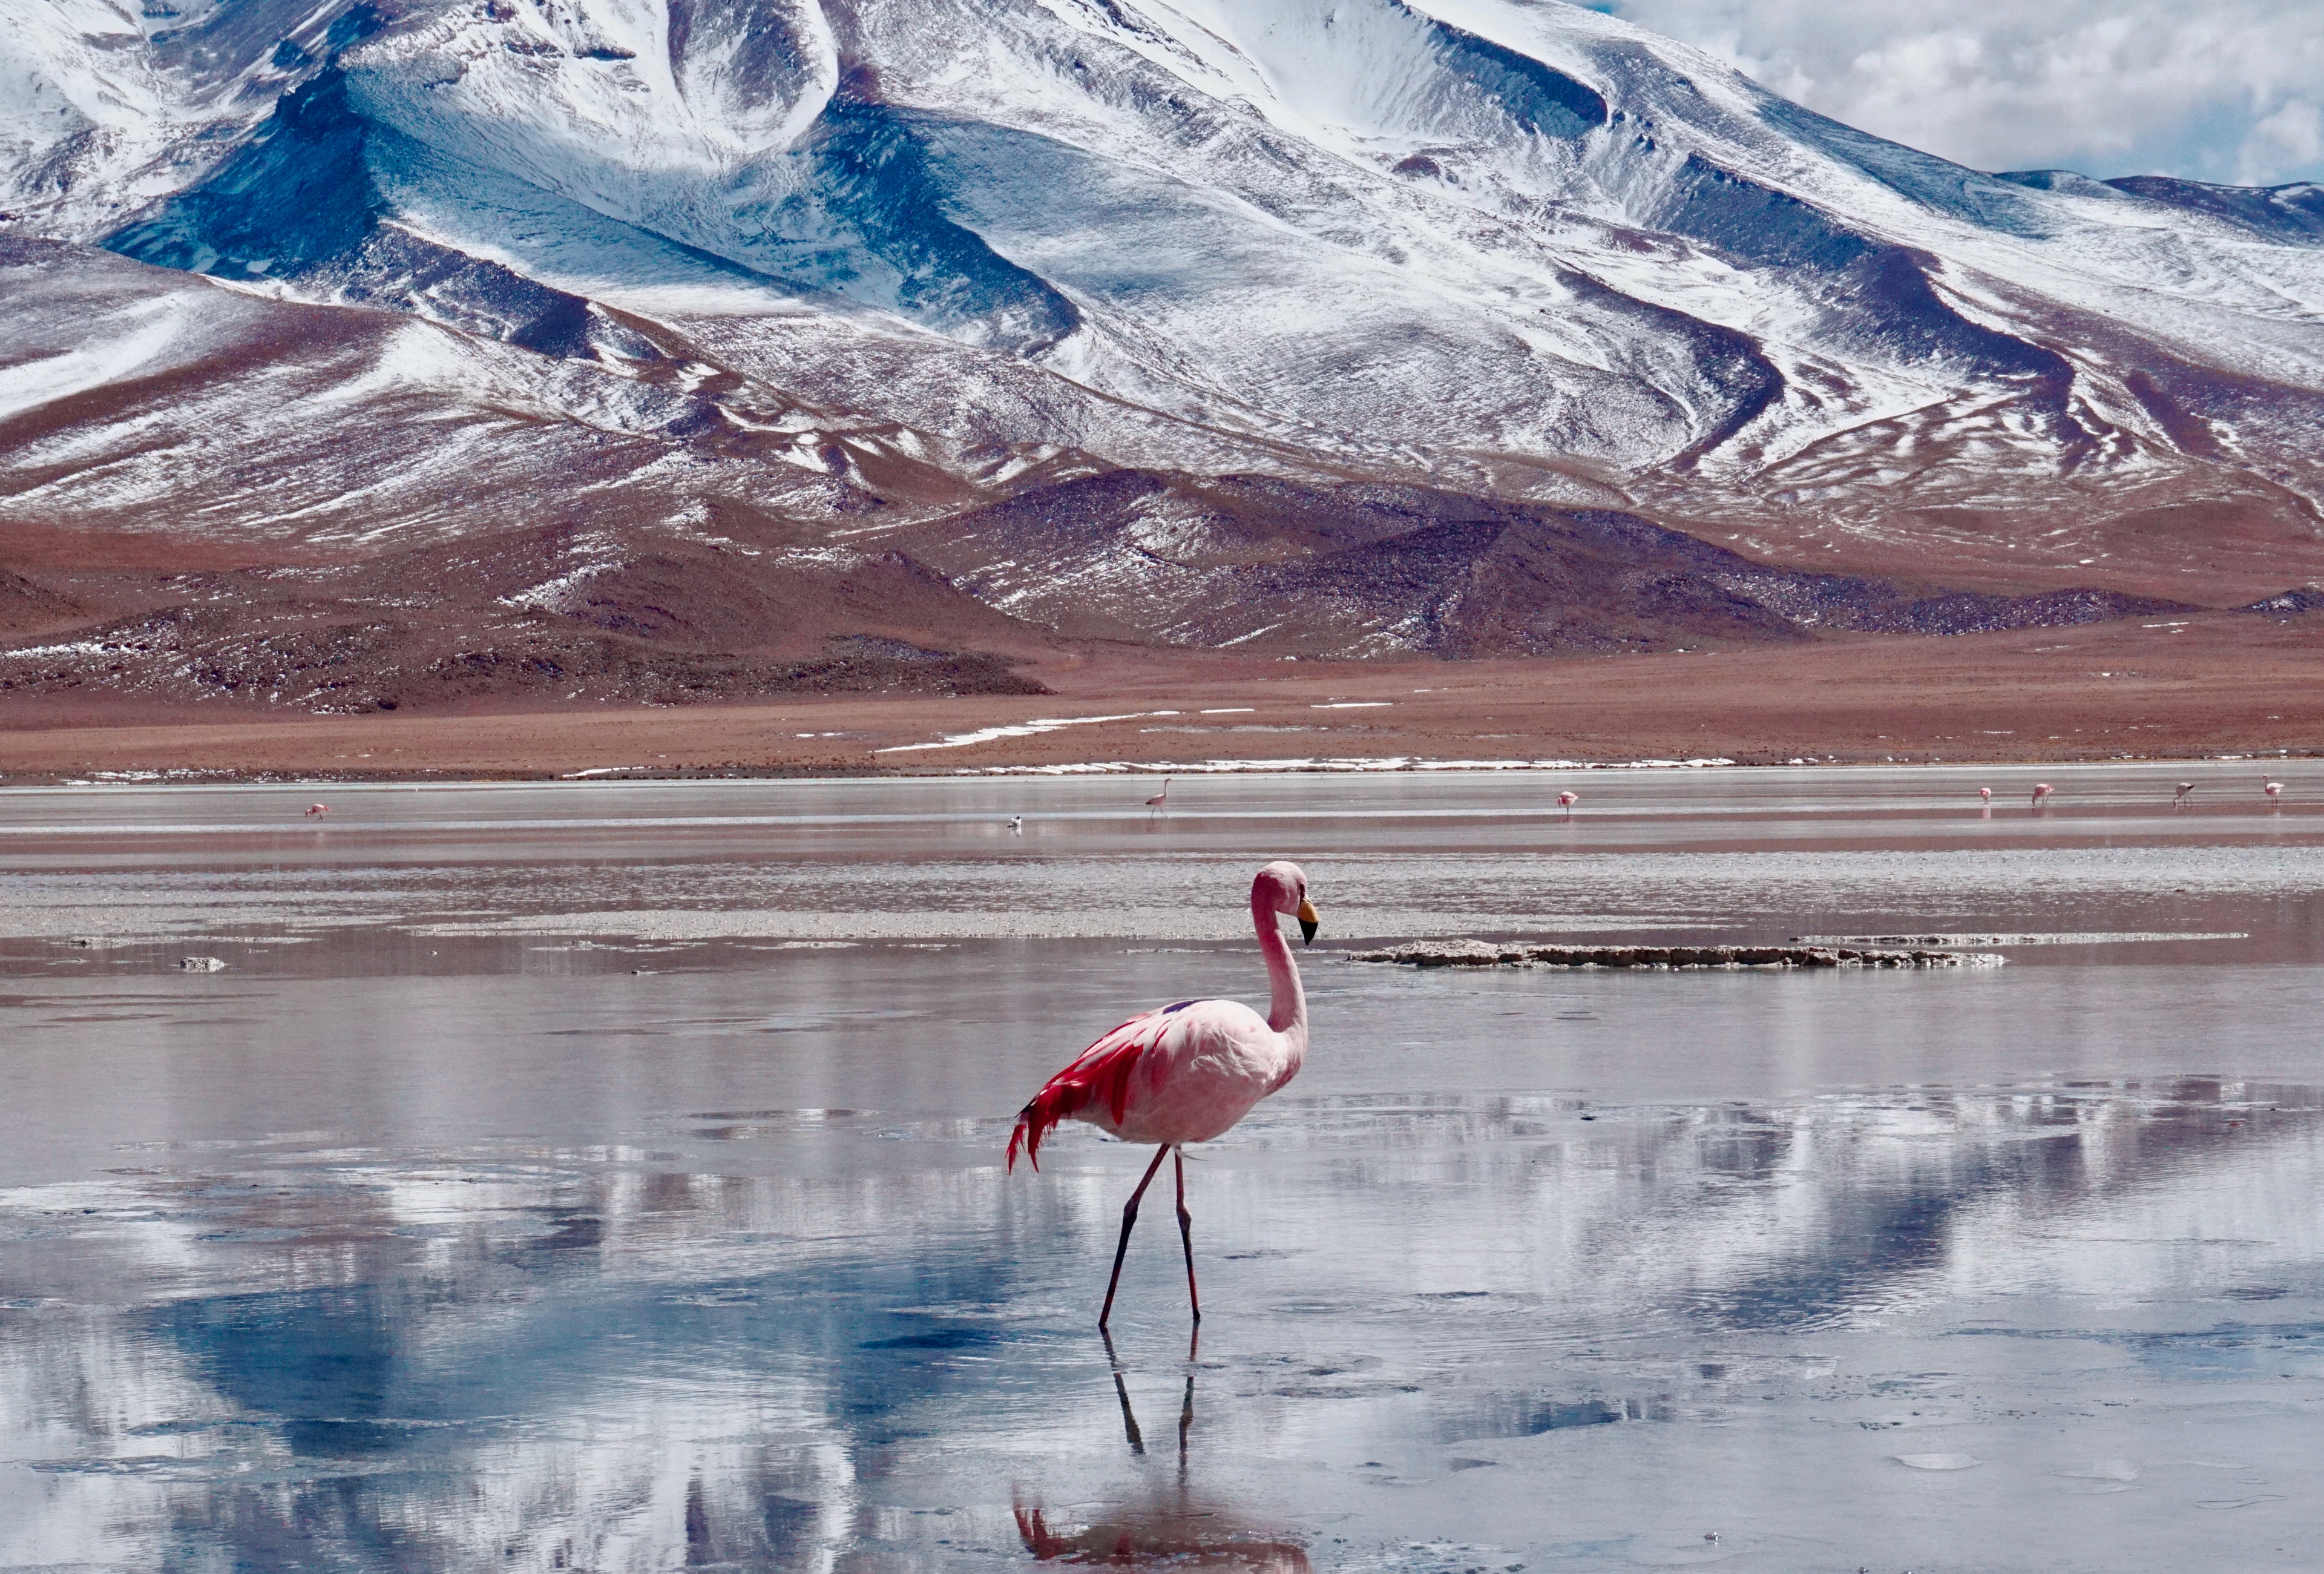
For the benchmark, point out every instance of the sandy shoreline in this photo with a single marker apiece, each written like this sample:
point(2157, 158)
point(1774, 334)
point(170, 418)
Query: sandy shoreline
point(2198, 687)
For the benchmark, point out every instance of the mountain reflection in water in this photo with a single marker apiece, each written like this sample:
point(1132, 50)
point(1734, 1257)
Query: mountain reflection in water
point(857, 1335)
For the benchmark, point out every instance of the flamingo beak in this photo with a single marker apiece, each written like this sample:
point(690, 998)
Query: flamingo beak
point(1309, 921)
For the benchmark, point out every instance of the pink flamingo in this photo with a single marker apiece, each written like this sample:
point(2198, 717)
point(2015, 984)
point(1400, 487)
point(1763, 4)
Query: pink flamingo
point(316, 810)
point(1161, 800)
point(2042, 790)
point(2270, 786)
point(1566, 801)
point(2181, 793)
point(1186, 1072)
point(1986, 793)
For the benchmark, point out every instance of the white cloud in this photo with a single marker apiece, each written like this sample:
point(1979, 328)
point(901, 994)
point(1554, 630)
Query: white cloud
point(2223, 91)
point(2290, 138)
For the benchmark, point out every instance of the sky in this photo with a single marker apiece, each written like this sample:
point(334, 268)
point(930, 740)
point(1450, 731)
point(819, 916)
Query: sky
point(2227, 90)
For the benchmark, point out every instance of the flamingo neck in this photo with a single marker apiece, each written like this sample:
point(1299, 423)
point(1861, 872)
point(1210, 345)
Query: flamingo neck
point(1287, 1008)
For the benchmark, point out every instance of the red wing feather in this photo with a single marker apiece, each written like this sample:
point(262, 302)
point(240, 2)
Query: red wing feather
point(1098, 1075)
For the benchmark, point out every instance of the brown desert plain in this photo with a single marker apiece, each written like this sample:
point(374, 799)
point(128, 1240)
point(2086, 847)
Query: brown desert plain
point(2163, 686)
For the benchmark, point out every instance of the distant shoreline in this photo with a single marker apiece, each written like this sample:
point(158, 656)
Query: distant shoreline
point(2212, 690)
point(1196, 769)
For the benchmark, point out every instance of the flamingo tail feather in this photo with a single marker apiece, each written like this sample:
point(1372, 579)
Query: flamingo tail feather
point(1100, 1077)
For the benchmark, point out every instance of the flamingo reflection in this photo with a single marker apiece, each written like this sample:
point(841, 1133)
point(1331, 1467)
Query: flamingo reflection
point(1170, 1529)
point(1179, 1538)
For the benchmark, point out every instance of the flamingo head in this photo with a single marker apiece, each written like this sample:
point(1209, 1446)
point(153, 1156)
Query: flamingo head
point(1281, 888)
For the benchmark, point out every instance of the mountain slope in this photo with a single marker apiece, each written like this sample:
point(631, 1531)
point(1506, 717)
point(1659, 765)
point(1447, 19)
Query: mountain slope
point(419, 270)
point(1270, 566)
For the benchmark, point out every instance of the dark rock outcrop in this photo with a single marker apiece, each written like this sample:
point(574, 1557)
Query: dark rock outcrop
point(1480, 954)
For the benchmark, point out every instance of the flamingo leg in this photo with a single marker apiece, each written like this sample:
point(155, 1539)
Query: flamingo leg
point(1128, 1217)
point(1187, 1235)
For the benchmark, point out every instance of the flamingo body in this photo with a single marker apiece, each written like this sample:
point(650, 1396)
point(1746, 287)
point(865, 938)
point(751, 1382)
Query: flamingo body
point(1183, 1073)
point(2042, 790)
point(1566, 801)
point(315, 809)
point(2270, 786)
point(1161, 800)
point(1986, 793)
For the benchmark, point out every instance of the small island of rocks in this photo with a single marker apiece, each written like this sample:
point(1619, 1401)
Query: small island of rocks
point(1471, 953)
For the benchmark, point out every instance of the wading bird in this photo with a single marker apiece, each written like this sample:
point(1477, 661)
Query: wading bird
point(2181, 793)
point(1186, 1072)
point(1161, 800)
point(1986, 793)
point(314, 810)
point(2270, 786)
point(1017, 824)
point(2042, 790)
point(1566, 801)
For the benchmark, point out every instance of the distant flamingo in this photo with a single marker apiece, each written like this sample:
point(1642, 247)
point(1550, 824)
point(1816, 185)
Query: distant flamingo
point(2181, 793)
point(2042, 790)
point(1186, 1072)
point(315, 811)
point(1161, 800)
point(1986, 793)
point(1566, 801)
point(2272, 787)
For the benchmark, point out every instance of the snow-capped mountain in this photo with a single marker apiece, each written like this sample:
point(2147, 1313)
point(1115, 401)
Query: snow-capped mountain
point(416, 268)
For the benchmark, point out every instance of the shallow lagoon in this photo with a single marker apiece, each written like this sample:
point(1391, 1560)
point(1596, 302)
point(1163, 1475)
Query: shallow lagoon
point(609, 1177)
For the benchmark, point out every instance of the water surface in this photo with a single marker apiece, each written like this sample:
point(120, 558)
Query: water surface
point(609, 1177)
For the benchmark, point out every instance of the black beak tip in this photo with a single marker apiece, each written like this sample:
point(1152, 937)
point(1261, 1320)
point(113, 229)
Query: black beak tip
point(1306, 932)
